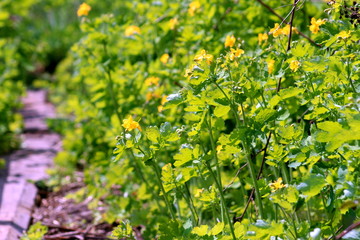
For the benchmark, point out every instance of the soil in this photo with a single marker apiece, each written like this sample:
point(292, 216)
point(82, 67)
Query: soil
point(66, 218)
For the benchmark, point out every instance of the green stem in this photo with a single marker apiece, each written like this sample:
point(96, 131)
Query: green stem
point(232, 104)
point(189, 202)
point(308, 212)
point(213, 149)
point(285, 172)
point(287, 219)
point(328, 217)
point(192, 203)
point(294, 226)
point(222, 200)
point(248, 159)
point(158, 176)
point(256, 187)
point(243, 113)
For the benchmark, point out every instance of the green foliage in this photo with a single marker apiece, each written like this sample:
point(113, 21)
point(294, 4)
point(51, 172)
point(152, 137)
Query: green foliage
point(36, 232)
point(184, 120)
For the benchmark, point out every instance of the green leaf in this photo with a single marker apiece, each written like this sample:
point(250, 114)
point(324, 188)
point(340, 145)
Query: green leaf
point(239, 229)
point(312, 185)
point(153, 134)
point(168, 133)
point(264, 230)
point(200, 231)
point(221, 110)
point(290, 92)
point(264, 115)
point(217, 228)
point(185, 174)
point(335, 135)
point(173, 100)
point(167, 176)
point(183, 157)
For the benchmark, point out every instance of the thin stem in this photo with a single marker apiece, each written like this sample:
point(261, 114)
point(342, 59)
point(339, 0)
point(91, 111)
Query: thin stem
point(287, 219)
point(285, 172)
point(351, 227)
point(294, 226)
point(232, 104)
point(154, 164)
point(243, 114)
point(110, 86)
point(213, 149)
point(308, 212)
point(191, 204)
point(291, 23)
point(327, 214)
point(212, 141)
point(258, 177)
point(282, 19)
point(256, 187)
point(137, 165)
point(222, 198)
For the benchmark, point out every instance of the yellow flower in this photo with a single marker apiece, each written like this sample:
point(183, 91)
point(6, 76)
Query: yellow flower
point(344, 34)
point(230, 41)
point(315, 25)
point(193, 6)
point(164, 58)
point(198, 192)
point(152, 81)
point(160, 108)
point(83, 10)
point(276, 30)
point(295, 65)
point(219, 148)
point(163, 101)
point(131, 30)
point(235, 53)
point(271, 64)
point(277, 185)
point(262, 37)
point(204, 56)
point(129, 124)
point(286, 30)
point(173, 22)
point(149, 96)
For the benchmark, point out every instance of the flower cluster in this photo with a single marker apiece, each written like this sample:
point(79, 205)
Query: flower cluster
point(164, 58)
point(163, 101)
point(344, 34)
point(154, 94)
point(262, 37)
point(271, 65)
point(315, 25)
point(277, 185)
point(276, 31)
point(131, 30)
point(230, 41)
point(173, 23)
point(129, 124)
point(235, 53)
point(295, 65)
point(193, 7)
point(152, 81)
point(83, 10)
point(204, 56)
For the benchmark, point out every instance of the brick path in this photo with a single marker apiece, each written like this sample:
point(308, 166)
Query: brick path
point(39, 146)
